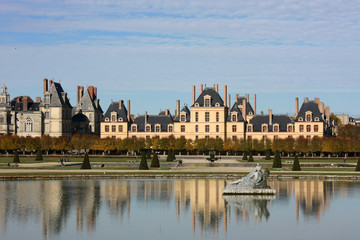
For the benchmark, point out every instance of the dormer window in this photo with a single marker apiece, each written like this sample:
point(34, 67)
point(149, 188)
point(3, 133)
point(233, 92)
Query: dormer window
point(249, 128)
point(234, 117)
point(301, 119)
point(182, 117)
point(121, 120)
point(113, 116)
point(134, 128)
point(148, 128)
point(276, 128)
point(264, 128)
point(308, 116)
point(170, 128)
point(106, 119)
point(316, 119)
point(157, 128)
point(207, 101)
point(196, 104)
point(290, 128)
point(217, 104)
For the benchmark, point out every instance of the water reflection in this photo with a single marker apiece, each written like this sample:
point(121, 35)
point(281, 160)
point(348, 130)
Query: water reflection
point(54, 208)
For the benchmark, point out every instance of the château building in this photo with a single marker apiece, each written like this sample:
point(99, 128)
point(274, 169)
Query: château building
point(211, 116)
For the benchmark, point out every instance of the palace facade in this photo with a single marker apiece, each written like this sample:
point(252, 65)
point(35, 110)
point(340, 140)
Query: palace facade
point(211, 116)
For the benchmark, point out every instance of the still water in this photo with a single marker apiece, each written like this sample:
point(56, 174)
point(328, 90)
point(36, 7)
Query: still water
point(176, 209)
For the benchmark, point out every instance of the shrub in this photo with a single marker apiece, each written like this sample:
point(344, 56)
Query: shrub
point(357, 169)
point(251, 159)
point(244, 156)
point(86, 163)
point(16, 157)
point(267, 155)
point(277, 160)
point(39, 155)
point(143, 163)
point(296, 164)
point(171, 156)
point(155, 161)
point(148, 155)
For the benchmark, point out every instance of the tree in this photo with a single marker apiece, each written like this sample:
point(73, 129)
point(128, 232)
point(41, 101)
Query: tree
point(86, 163)
point(357, 169)
point(143, 163)
point(267, 155)
point(155, 161)
point(171, 156)
point(296, 164)
point(251, 159)
point(277, 160)
point(16, 157)
point(39, 155)
point(244, 156)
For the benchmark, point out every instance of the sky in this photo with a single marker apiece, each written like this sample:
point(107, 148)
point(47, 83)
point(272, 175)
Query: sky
point(152, 52)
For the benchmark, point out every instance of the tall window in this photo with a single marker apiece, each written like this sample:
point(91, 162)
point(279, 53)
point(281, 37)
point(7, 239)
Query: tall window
point(207, 102)
point(276, 128)
point(234, 128)
point(120, 128)
point(234, 138)
point(171, 129)
point(249, 128)
point(196, 128)
point(308, 117)
point(217, 128)
point(316, 128)
point(28, 125)
point(196, 116)
point(233, 117)
point(207, 116)
point(182, 117)
point(106, 128)
point(148, 128)
point(290, 128)
point(308, 138)
point(133, 129)
point(301, 128)
point(157, 128)
point(308, 128)
point(182, 128)
point(113, 128)
point(113, 118)
point(264, 128)
point(207, 128)
point(217, 116)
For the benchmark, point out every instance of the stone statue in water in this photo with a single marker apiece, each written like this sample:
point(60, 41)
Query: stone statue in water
point(252, 183)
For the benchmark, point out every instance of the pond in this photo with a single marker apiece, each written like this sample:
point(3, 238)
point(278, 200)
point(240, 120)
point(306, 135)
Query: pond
point(176, 209)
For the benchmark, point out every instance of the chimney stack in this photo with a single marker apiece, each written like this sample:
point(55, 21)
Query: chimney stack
point(193, 94)
point(247, 97)
point(38, 99)
point(306, 99)
point(217, 88)
point(225, 94)
point(317, 100)
point(50, 83)
point(327, 114)
point(91, 92)
point(145, 117)
point(25, 103)
point(78, 94)
point(81, 93)
point(45, 85)
point(270, 117)
point(201, 88)
point(237, 97)
point(321, 107)
point(229, 102)
point(177, 108)
point(120, 104)
point(95, 92)
point(296, 106)
point(128, 110)
point(254, 104)
point(166, 112)
point(243, 110)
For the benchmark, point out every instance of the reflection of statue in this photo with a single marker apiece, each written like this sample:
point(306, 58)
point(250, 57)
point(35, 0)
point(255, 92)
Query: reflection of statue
point(253, 183)
point(252, 205)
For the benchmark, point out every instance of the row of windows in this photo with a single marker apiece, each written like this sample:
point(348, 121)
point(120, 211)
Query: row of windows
point(113, 128)
point(207, 117)
point(308, 128)
point(308, 118)
point(264, 128)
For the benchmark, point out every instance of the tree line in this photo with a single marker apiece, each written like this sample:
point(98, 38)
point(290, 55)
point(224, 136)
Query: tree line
point(94, 145)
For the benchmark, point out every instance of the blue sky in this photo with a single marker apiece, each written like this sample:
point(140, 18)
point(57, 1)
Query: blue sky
point(152, 52)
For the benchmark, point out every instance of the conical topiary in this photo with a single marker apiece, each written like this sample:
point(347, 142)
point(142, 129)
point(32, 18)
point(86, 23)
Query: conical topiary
point(143, 163)
point(251, 159)
point(148, 155)
point(277, 160)
point(155, 161)
point(267, 155)
point(39, 155)
point(244, 156)
point(16, 157)
point(296, 164)
point(357, 169)
point(86, 163)
point(171, 156)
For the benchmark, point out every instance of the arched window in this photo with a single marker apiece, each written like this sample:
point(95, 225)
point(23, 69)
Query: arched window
point(276, 128)
point(157, 128)
point(207, 102)
point(234, 118)
point(113, 117)
point(171, 128)
point(308, 117)
point(249, 128)
point(148, 128)
point(264, 128)
point(28, 125)
point(290, 128)
point(133, 128)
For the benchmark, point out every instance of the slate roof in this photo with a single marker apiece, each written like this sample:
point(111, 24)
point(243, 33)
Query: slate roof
point(312, 107)
point(187, 112)
point(88, 104)
point(57, 96)
point(249, 108)
point(19, 106)
point(238, 112)
point(163, 120)
point(282, 120)
point(80, 117)
point(114, 107)
point(215, 97)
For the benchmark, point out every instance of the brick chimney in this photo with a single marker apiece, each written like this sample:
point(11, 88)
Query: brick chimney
point(306, 99)
point(166, 112)
point(254, 104)
point(91, 92)
point(78, 94)
point(146, 116)
point(201, 88)
point(193, 94)
point(217, 88)
point(229, 102)
point(322, 107)
point(25, 103)
point(247, 97)
point(128, 110)
point(177, 107)
point(81, 92)
point(270, 117)
point(50, 83)
point(244, 109)
point(296, 106)
point(95, 92)
point(121, 102)
point(38, 99)
point(45, 85)
point(225, 94)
